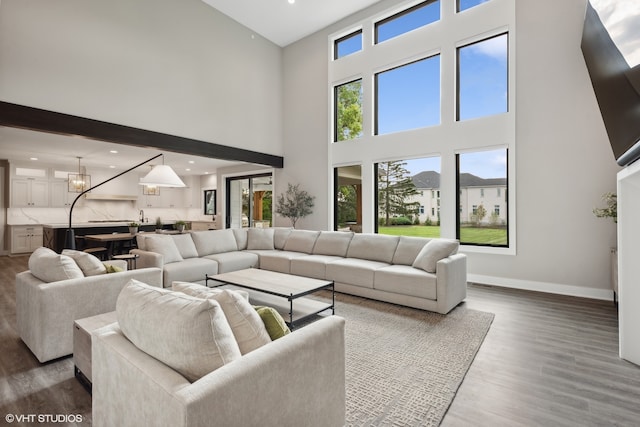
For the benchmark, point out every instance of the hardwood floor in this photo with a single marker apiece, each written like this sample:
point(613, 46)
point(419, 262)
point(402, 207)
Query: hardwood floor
point(547, 360)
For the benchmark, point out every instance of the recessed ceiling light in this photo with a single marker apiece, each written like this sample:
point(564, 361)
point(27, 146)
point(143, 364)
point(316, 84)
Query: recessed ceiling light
point(292, 1)
point(114, 151)
point(187, 169)
point(112, 167)
point(206, 173)
point(191, 162)
point(33, 158)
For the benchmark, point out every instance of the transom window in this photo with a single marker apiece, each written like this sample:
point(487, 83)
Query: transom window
point(407, 20)
point(348, 111)
point(347, 45)
point(468, 4)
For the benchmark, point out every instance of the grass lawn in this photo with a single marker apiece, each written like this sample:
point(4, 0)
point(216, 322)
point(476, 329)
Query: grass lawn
point(487, 236)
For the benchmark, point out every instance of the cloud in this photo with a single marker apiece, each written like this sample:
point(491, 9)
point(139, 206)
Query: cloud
point(621, 18)
point(495, 47)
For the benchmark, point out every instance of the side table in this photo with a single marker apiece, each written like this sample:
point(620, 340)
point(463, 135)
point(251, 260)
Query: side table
point(130, 258)
point(82, 329)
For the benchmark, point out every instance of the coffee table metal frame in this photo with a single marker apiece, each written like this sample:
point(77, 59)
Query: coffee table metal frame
point(223, 279)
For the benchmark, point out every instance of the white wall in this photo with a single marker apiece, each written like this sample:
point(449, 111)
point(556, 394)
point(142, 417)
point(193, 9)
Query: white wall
point(177, 67)
point(563, 163)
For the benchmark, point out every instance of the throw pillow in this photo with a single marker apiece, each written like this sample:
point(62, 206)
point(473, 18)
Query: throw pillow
point(434, 251)
point(247, 327)
point(49, 266)
point(89, 264)
point(199, 291)
point(165, 246)
point(185, 245)
point(113, 269)
point(190, 335)
point(260, 239)
point(273, 321)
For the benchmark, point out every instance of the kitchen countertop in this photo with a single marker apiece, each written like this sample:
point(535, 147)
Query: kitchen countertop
point(100, 224)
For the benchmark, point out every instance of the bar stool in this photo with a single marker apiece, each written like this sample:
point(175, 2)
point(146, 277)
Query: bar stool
point(130, 258)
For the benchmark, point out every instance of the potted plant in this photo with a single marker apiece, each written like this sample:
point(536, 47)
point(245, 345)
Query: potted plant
point(294, 204)
point(611, 211)
point(158, 225)
point(180, 225)
point(133, 228)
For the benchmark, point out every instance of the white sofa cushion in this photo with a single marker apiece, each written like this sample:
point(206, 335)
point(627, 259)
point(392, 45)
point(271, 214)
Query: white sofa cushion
point(334, 243)
point(232, 261)
point(241, 238)
point(314, 266)
point(200, 291)
point(354, 271)
point(433, 252)
point(280, 236)
point(408, 249)
point(260, 239)
point(374, 247)
point(185, 245)
point(246, 324)
point(165, 246)
point(406, 280)
point(214, 241)
point(279, 261)
point(301, 241)
point(189, 270)
point(190, 335)
point(49, 266)
point(89, 264)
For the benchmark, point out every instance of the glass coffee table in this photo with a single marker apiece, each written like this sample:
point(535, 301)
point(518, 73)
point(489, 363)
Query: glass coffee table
point(280, 291)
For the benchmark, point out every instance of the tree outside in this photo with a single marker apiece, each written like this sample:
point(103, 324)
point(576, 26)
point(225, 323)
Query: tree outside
point(395, 188)
point(349, 111)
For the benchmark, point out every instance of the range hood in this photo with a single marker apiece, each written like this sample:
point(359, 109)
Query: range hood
point(116, 197)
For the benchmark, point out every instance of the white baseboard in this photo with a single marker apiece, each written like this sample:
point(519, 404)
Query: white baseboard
point(552, 288)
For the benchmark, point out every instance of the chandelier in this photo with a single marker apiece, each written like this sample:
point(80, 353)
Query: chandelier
point(79, 182)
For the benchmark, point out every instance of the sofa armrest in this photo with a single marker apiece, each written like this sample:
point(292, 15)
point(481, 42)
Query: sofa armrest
point(298, 379)
point(451, 282)
point(45, 312)
point(148, 259)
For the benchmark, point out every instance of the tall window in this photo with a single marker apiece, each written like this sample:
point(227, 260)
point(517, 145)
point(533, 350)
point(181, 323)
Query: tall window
point(347, 45)
point(468, 4)
point(483, 78)
point(348, 111)
point(405, 201)
point(407, 20)
point(348, 198)
point(408, 97)
point(477, 223)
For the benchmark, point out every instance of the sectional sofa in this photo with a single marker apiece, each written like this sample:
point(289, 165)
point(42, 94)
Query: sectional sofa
point(417, 272)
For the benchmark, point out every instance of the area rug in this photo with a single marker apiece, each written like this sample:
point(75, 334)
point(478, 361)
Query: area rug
point(404, 366)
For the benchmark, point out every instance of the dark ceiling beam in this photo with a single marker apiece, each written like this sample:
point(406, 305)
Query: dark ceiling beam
point(20, 116)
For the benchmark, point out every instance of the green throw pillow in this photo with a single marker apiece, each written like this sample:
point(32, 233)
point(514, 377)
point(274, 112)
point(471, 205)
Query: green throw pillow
point(113, 269)
point(273, 321)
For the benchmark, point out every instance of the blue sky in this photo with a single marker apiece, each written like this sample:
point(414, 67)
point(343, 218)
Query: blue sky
point(408, 97)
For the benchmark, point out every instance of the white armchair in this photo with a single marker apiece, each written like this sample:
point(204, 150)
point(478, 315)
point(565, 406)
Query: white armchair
point(46, 311)
point(296, 380)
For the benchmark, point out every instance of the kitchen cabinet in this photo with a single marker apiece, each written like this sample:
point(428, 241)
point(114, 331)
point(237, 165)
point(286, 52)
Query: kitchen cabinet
point(60, 195)
point(25, 238)
point(29, 192)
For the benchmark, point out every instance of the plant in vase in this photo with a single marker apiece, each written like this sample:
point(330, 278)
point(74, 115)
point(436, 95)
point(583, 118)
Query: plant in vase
point(180, 225)
point(133, 227)
point(294, 204)
point(158, 225)
point(611, 211)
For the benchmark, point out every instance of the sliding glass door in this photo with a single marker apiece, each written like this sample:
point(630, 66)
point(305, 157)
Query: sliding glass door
point(248, 201)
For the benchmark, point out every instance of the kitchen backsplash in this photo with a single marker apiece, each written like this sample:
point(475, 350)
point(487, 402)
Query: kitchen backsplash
point(99, 211)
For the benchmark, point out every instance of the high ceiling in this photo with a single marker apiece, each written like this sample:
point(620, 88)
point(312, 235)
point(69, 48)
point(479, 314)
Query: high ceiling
point(277, 20)
point(283, 22)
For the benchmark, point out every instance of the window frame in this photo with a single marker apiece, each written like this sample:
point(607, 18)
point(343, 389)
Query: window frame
point(347, 37)
point(335, 107)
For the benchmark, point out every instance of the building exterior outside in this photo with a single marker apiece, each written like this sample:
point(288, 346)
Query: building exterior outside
point(490, 193)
